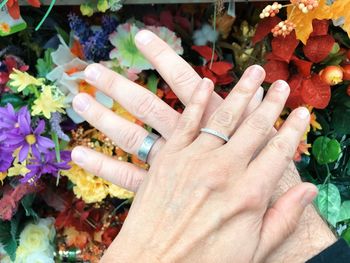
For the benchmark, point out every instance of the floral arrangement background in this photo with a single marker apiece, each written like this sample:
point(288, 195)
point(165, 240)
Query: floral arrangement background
point(69, 215)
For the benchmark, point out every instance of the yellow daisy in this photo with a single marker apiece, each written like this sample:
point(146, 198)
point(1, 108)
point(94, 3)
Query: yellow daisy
point(18, 169)
point(21, 80)
point(47, 104)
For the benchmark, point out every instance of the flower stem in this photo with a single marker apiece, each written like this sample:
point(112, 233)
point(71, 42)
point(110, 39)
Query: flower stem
point(46, 15)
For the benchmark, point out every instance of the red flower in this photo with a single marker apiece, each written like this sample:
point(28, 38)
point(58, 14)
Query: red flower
point(13, 7)
point(109, 235)
point(264, 28)
point(219, 72)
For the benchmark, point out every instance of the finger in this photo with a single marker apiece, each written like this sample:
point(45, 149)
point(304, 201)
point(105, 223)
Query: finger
point(137, 100)
point(189, 122)
point(227, 116)
point(279, 152)
point(126, 135)
point(179, 75)
point(123, 174)
point(255, 102)
point(281, 220)
point(257, 126)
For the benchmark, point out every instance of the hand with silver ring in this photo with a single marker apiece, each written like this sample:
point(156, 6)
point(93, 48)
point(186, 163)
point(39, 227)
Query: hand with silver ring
point(151, 110)
point(194, 205)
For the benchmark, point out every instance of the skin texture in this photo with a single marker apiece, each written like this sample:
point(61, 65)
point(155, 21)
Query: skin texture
point(303, 244)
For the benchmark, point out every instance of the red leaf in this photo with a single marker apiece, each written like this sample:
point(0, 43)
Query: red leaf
point(295, 100)
point(304, 67)
point(151, 20)
point(318, 48)
point(320, 27)
point(264, 28)
point(315, 92)
point(204, 72)
point(205, 51)
point(221, 68)
point(276, 70)
point(183, 22)
point(170, 95)
point(13, 9)
point(284, 47)
point(35, 3)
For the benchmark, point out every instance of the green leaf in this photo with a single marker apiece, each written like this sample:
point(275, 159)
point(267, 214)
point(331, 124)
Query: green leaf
point(44, 65)
point(13, 99)
point(346, 235)
point(328, 202)
point(341, 120)
point(344, 211)
point(27, 203)
point(326, 150)
point(63, 34)
point(8, 233)
point(152, 83)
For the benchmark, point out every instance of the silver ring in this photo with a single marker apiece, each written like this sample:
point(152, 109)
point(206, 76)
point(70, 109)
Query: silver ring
point(146, 146)
point(216, 134)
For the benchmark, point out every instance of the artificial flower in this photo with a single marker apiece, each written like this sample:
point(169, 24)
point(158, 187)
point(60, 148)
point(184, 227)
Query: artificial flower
point(18, 169)
point(21, 80)
point(75, 238)
point(28, 139)
point(169, 37)
point(86, 9)
point(102, 5)
point(39, 257)
point(34, 237)
point(55, 122)
point(13, 7)
point(69, 78)
point(46, 103)
point(3, 175)
point(115, 5)
point(303, 148)
point(46, 165)
point(121, 193)
point(206, 34)
point(6, 68)
point(5, 28)
point(125, 50)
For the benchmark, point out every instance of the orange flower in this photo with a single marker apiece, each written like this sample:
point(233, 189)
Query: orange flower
point(4, 27)
point(75, 238)
point(303, 148)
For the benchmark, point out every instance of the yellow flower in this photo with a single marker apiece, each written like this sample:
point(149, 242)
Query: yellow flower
point(21, 80)
point(47, 104)
point(116, 191)
point(18, 169)
point(86, 9)
point(102, 5)
point(34, 238)
point(90, 188)
point(2, 176)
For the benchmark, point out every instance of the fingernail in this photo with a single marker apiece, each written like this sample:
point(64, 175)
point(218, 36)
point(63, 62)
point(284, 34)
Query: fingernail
point(144, 37)
point(92, 73)
point(81, 103)
point(308, 197)
point(256, 72)
point(303, 113)
point(281, 86)
point(78, 156)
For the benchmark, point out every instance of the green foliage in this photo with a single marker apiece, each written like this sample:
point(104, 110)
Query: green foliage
point(344, 211)
point(27, 203)
point(328, 202)
point(152, 83)
point(8, 235)
point(13, 99)
point(326, 150)
point(44, 65)
point(341, 120)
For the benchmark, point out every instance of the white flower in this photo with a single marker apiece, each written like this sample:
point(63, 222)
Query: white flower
point(39, 257)
point(69, 78)
point(204, 35)
point(34, 238)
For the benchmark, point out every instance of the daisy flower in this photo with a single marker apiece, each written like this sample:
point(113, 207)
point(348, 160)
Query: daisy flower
point(204, 35)
point(27, 139)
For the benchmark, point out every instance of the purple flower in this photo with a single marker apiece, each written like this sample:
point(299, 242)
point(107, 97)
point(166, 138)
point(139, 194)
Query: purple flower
point(9, 117)
point(6, 159)
point(27, 138)
point(46, 165)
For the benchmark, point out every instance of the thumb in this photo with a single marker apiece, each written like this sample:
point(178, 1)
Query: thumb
point(281, 220)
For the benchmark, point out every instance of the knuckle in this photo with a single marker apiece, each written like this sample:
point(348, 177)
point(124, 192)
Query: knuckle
point(159, 52)
point(130, 139)
point(111, 82)
point(98, 117)
point(99, 164)
point(145, 105)
point(252, 200)
point(126, 178)
point(183, 77)
point(244, 88)
point(224, 118)
point(259, 123)
point(282, 146)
